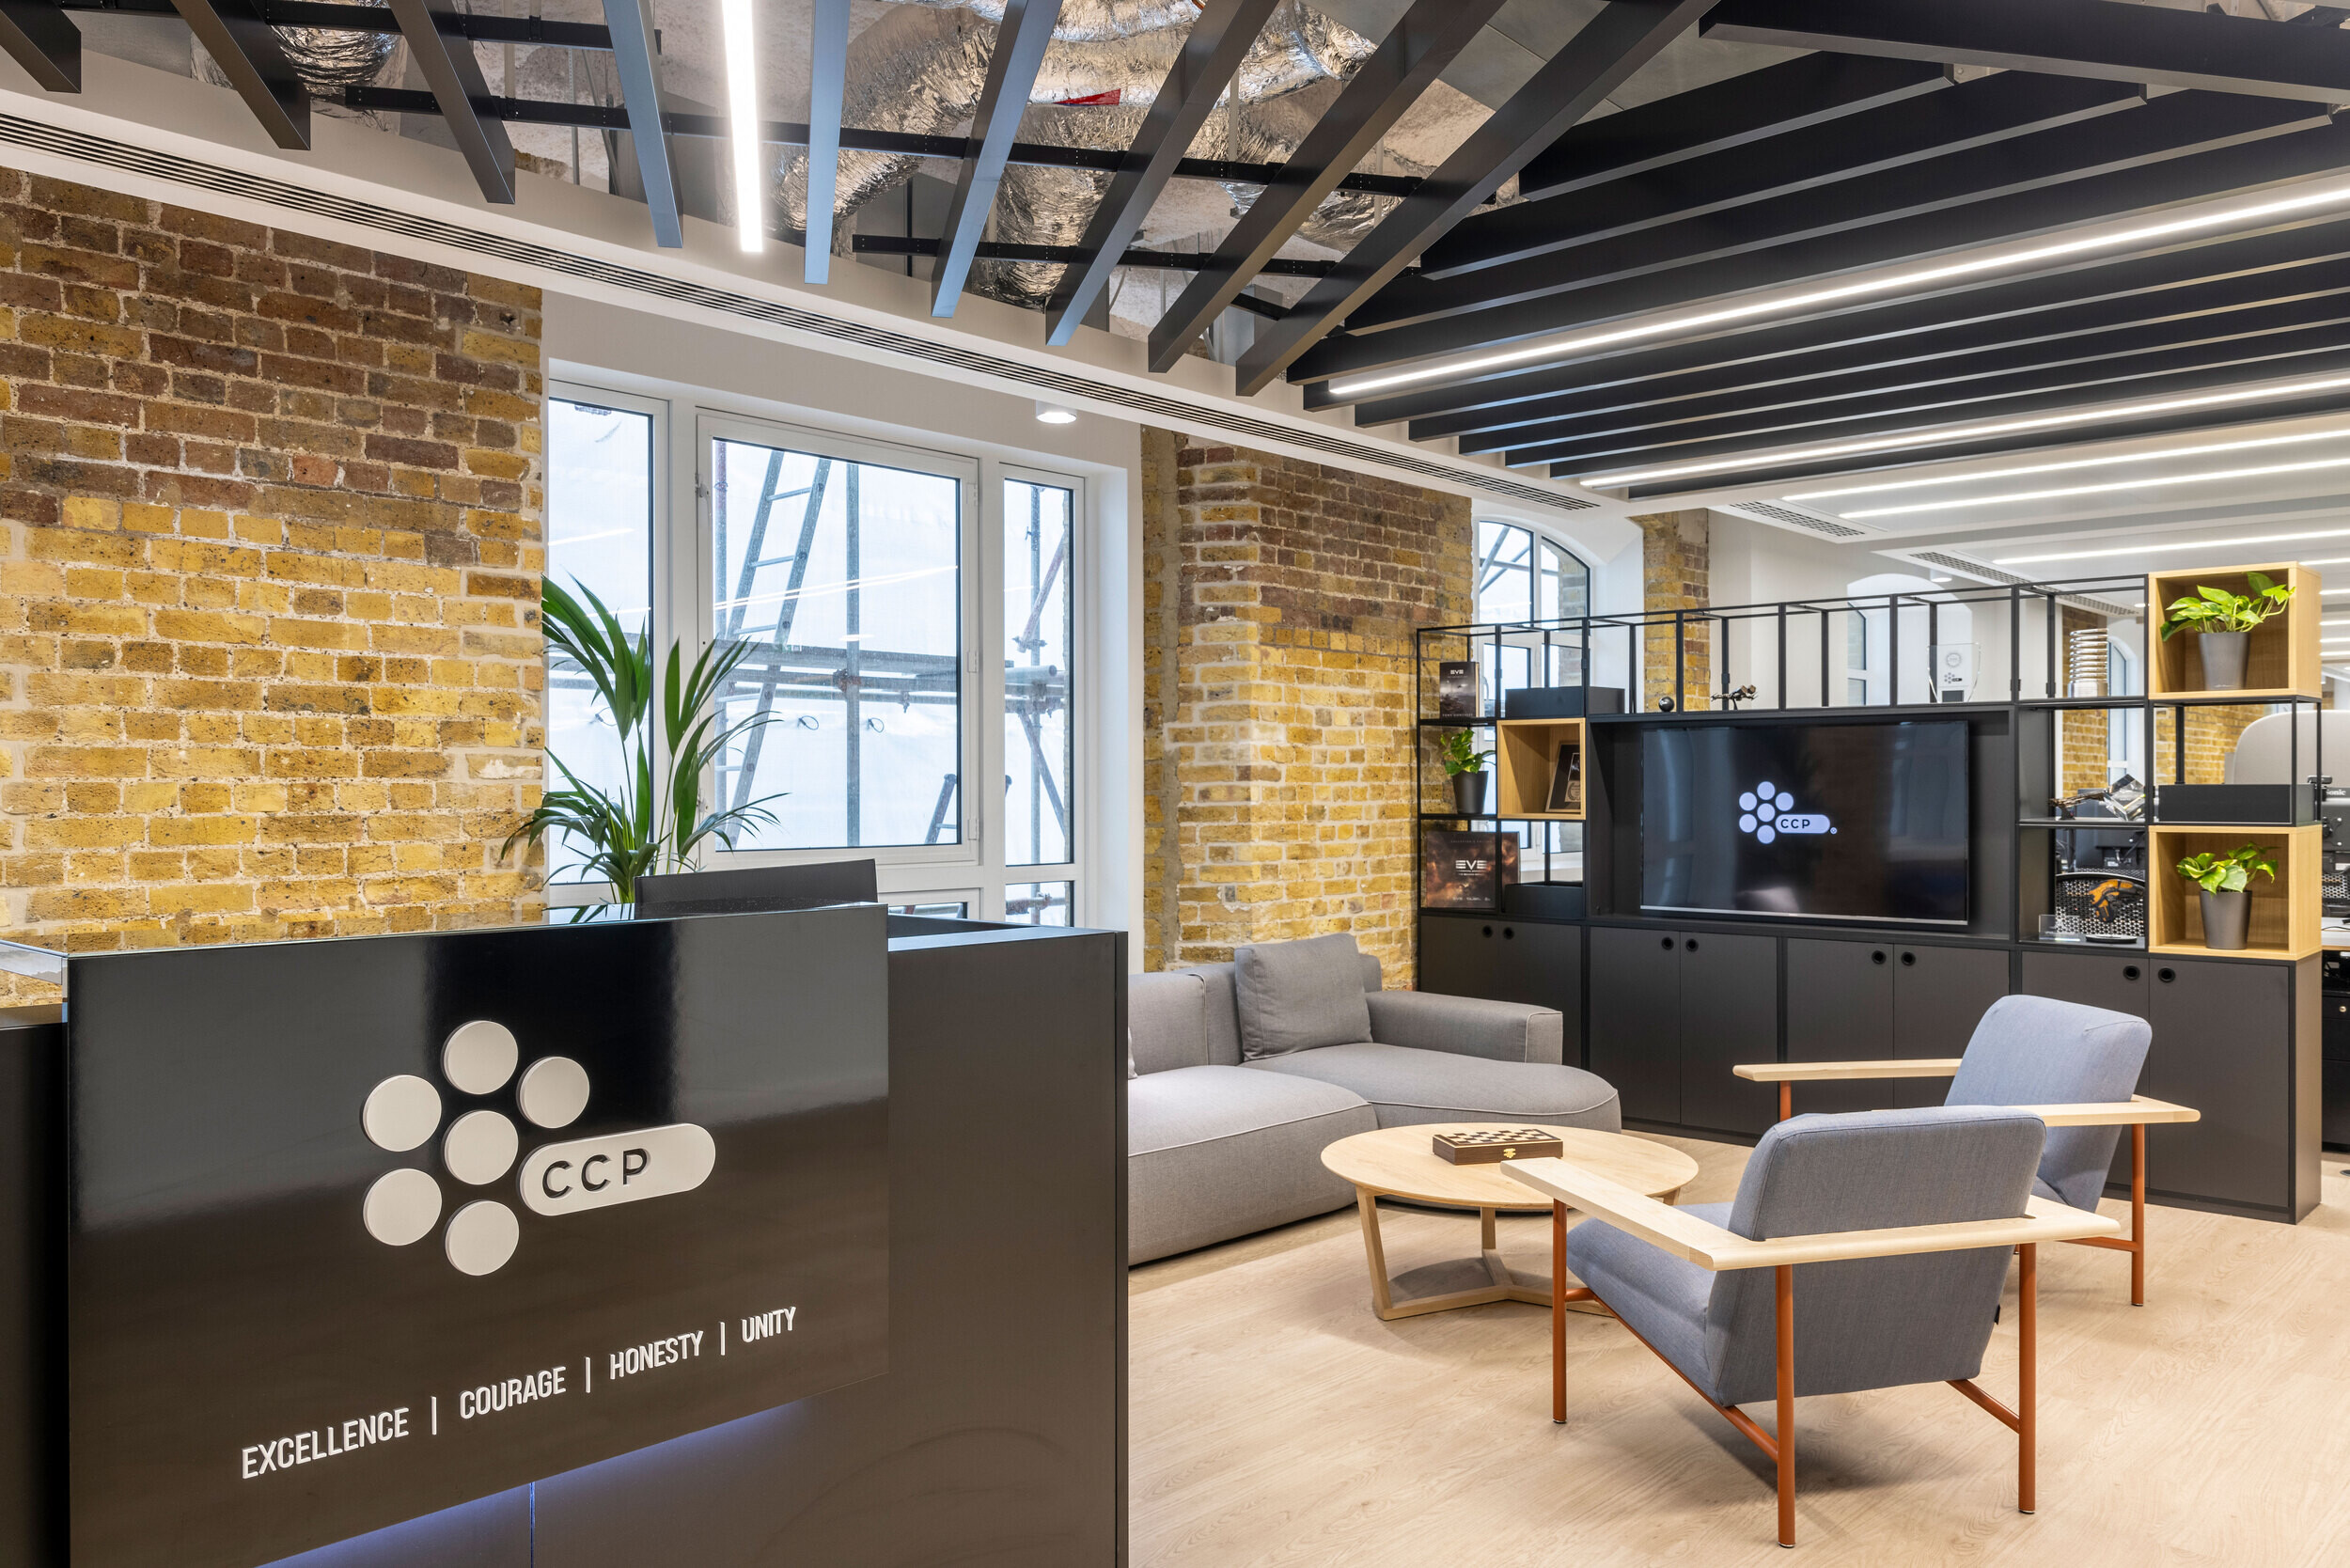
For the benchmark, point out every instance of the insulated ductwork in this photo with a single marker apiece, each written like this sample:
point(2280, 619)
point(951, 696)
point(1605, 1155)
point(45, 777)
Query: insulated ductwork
point(921, 69)
point(326, 61)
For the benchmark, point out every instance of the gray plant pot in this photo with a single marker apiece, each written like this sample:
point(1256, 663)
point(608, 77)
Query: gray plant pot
point(2223, 660)
point(2227, 917)
point(1468, 794)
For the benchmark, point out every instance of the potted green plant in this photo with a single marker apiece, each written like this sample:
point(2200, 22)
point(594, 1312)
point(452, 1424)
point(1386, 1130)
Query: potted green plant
point(2225, 886)
point(2225, 622)
point(655, 821)
point(1466, 766)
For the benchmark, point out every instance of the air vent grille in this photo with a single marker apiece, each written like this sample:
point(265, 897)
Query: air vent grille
point(1966, 568)
point(1167, 411)
point(1772, 513)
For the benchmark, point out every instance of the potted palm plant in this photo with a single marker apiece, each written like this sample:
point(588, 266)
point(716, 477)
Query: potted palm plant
point(2225, 622)
point(670, 738)
point(1466, 766)
point(2224, 882)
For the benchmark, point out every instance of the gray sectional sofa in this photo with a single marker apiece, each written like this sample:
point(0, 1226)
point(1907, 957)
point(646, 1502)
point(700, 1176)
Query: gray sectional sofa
point(1244, 1073)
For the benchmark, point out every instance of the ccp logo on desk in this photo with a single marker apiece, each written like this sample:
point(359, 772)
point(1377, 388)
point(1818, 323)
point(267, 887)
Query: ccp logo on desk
point(478, 1058)
point(1766, 811)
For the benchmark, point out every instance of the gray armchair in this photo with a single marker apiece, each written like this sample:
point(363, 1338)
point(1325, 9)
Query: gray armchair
point(1891, 1227)
point(2074, 1067)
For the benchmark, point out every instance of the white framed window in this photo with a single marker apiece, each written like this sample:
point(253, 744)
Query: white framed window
point(1520, 575)
point(919, 620)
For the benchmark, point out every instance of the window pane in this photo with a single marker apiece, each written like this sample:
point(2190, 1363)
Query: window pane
point(1038, 904)
point(1505, 581)
point(845, 577)
point(600, 538)
point(1040, 626)
point(946, 911)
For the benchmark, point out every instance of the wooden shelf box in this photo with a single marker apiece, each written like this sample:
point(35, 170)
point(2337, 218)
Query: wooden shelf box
point(2281, 659)
point(2286, 913)
point(1526, 759)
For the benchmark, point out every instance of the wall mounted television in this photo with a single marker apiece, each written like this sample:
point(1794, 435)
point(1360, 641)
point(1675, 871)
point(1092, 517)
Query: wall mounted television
point(1807, 820)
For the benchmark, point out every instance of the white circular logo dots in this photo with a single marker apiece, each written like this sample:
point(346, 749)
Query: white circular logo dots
point(480, 1147)
point(1786, 801)
point(481, 1237)
point(554, 1092)
point(401, 1113)
point(403, 1207)
point(480, 1057)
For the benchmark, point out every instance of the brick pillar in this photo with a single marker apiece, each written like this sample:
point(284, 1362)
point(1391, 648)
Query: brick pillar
point(1675, 554)
point(1279, 601)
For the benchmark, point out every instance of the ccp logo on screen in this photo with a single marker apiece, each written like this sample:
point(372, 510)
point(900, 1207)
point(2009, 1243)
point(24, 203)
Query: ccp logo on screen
point(478, 1058)
point(1766, 811)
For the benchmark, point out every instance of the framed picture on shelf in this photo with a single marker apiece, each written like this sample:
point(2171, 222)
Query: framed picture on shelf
point(1566, 780)
point(1465, 870)
point(1456, 688)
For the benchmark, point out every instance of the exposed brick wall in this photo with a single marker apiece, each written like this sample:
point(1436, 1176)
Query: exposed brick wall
point(1676, 554)
point(270, 547)
point(1279, 601)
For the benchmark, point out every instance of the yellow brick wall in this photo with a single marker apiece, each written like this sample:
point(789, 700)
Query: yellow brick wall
point(270, 547)
point(1281, 740)
point(1676, 559)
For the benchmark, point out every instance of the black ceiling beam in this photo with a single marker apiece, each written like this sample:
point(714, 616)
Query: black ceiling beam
point(1622, 38)
point(783, 133)
point(1608, 455)
point(38, 37)
point(454, 76)
point(375, 19)
point(1772, 471)
point(2273, 331)
point(1027, 27)
point(1405, 65)
point(2183, 313)
point(1812, 89)
point(1957, 228)
point(640, 95)
point(1010, 250)
point(1989, 109)
point(2178, 126)
point(2105, 39)
point(246, 50)
point(1212, 53)
point(2002, 311)
point(827, 85)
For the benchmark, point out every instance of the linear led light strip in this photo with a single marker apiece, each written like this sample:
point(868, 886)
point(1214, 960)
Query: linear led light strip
point(1965, 433)
point(2219, 218)
point(2209, 477)
point(2142, 549)
point(750, 203)
point(2162, 455)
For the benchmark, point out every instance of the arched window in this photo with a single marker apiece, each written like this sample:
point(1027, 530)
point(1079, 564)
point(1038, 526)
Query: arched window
point(1521, 576)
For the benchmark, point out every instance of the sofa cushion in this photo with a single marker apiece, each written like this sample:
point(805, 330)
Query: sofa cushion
point(1223, 1014)
point(1300, 996)
point(1406, 1086)
point(1215, 1153)
point(1168, 1019)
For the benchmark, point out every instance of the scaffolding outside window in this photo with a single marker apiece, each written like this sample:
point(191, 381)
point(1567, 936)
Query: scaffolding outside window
point(1040, 626)
point(600, 506)
point(845, 577)
point(1038, 904)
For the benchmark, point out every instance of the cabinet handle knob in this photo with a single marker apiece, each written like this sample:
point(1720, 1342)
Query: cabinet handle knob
point(1909, 960)
point(1877, 957)
point(1668, 944)
point(1489, 930)
point(2130, 971)
point(1508, 934)
point(2165, 976)
point(1693, 944)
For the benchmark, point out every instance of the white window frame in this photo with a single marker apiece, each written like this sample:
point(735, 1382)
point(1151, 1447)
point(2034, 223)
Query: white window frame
point(972, 868)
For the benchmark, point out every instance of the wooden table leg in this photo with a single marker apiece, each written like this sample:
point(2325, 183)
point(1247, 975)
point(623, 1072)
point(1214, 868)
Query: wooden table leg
point(2138, 1214)
point(2027, 1370)
point(1786, 1433)
point(1557, 1311)
point(1373, 1250)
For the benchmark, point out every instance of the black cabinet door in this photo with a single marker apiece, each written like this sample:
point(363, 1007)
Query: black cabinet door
point(2116, 982)
point(1839, 1007)
point(1729, 1014)
point(1507, 961)
point(1939, 996)
point(2223, 1044)
point(1635, 1025)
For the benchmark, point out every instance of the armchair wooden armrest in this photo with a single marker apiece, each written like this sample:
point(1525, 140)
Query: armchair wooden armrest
point(1685, 1237)
point(1805, 1071)
point(2136, 1111)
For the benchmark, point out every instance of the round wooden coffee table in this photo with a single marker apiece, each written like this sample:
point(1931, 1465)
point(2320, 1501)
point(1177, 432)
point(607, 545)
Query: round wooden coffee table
point(1400, 1162)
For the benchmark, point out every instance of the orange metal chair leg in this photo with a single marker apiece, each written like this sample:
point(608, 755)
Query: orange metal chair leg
point(1786, 1098)
point(1786, 1433)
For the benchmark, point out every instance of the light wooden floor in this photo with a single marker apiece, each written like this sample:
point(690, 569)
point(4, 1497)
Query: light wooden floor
point(1275, 1420)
